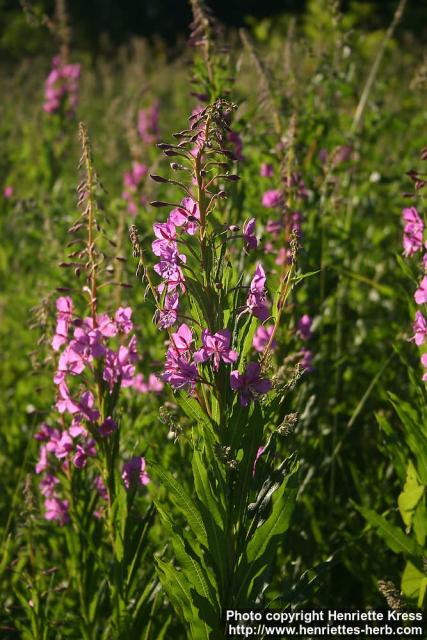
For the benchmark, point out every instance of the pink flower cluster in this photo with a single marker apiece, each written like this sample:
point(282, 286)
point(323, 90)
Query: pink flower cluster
point(133, 181)
point(62, 87)
point(256, 302)
point(148, 123)
point(412, 231)
point(85, 354)
point(412, 243)
point(182, 220)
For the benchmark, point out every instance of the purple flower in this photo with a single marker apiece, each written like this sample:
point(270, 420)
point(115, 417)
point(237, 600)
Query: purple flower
point(47, 485)
point(154, 384)
point(122, 318)
point(64, 307)
point(87, 342)
point(266, 170)
point(249, 234)
point(419, 328)
point(86, 404)
point(256, 302)
point(306, 361)
point(166, 235)
point(65, 402)
point(413, 231)
point(56, 510)
point(304, 327)
point(274, 227)
point(60, 444)
point(107, 427)
point(258, 455)
point(186, 216)
point(182, 339)
point(70, 363)
point(169, 314)
point(420, 294)
point(44, 432)
point(100, 487)
point(134, 472)
point(272, 198)
point(42, 463)
point(82, 453)
point(262, 337)
point(250, 384)
point(104, 324)
point(216, 346)
point(179, 371)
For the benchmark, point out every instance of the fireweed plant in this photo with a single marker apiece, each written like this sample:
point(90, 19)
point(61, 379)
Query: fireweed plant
point(90, 487)
point(407, 448)
point(234, 394)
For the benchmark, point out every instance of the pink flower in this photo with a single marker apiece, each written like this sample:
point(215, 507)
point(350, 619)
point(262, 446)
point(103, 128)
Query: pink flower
point(216, 346)
point(258, 455)
point(86, 407)
point(60, 444)
point(107, 427)
point(42, 463)
point(154, 384)
point(272, 198)
point(256, 302)
point(70, 363)
point(179, 371)
point(47, 485)
point(413, 231)
point(88, 449)
point(100, 487)
point(262, 337)
point(64, 316)
point(186, 216)
point(44, 432)
point(7, 192)
point(169, 314)
point(424, 363)
point(65, 402)
point(266, 170)
point(182, 339)
point(250, 384)
point(87, 343)
point(304, 327)
point(166, 239)
point(105, 325)
point(56, 510)
point(249, 234)
point(274, 227)
point(306, 361)
point(419, 328)
point(420, 294)
point(134, 472)
point(123, 321)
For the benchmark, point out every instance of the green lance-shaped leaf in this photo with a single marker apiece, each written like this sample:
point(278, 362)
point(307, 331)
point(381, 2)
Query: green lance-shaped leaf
point(182, 501)
point(414, 584)
point(191, 565)
point(261, 548)
point(394, 537)
point(178, 590)
point(213, 514)
point(410, 496)
point(415, 436)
